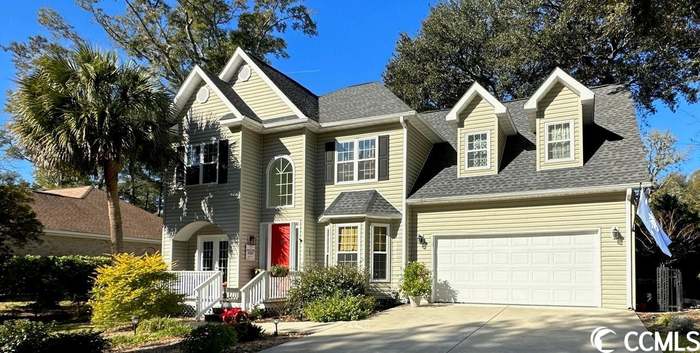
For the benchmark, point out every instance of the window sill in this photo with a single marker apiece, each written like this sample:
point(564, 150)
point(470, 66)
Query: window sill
point(356, 182)
point(380, 281)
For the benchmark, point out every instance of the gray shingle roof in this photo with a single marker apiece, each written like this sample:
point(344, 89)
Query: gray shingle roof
point(613, 154)
point(302, 97)
point(359, 101)
point(232, 96)
point(365, 203)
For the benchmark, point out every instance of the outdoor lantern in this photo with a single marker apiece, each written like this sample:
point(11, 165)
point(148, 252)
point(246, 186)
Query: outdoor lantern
point(422, 241)
point(134, 323)
point(276, 322)
point(617, 235)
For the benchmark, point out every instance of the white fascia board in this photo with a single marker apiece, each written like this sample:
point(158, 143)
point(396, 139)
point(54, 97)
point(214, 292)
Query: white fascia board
point(525, 194)
point(188, 87)
point(558, 75)
point(240, 55)
point(324, 219)
point(472, 92)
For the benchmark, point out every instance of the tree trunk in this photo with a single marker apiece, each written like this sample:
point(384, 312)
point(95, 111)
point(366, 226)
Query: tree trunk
point(116, 233)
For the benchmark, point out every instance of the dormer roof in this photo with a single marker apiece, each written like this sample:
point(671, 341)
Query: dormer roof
point(476, 90)
point(586, 96)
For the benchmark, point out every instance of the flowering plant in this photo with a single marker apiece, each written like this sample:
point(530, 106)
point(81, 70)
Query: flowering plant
point(234, 316)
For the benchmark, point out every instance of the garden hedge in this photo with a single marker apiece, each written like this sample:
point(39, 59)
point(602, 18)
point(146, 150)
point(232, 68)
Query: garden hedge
point(49, 279)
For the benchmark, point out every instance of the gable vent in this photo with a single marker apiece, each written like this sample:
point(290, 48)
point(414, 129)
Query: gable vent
point(244, 73)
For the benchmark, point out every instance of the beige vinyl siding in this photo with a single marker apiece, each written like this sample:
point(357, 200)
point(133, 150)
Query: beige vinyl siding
point(261, 97)
point(599, 212)
point(559, 104)
point(309, 235)
point(502, 138)
point(417, 153)
point(214, 203)
point(289, 144)
point(392, 190)
point(251, 146)
point(478, 116)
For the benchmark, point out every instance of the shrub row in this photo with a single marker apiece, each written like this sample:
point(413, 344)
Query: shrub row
point(23, 336)
point(331, 294)
point(49, 279)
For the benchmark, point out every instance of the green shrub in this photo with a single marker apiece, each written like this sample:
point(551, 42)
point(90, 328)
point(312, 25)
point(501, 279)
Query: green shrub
point(23, 336)
point(132, 286)
point(663, 320)
point(256, 313)
point(76, 342)
point(212, 338)
point(279, 271)
point(322, 282)
point(340, 307)
point(164, 326)
point(48, 279)
point(246, 331)
point(416, 280)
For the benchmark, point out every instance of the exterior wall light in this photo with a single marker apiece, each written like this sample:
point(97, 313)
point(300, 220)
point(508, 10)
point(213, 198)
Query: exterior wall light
point(422, 241)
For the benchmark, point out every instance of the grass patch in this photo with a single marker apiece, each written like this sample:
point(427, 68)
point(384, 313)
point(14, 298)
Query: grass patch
point(151, 331)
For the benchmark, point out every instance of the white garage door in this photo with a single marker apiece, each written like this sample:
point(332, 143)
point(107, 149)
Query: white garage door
point(519, 269)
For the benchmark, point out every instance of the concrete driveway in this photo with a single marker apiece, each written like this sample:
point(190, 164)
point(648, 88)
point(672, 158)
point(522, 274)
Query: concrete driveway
point(470, 328)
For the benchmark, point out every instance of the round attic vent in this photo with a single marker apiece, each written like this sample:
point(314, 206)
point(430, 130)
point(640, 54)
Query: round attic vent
point(203, 95)
point(244, 73)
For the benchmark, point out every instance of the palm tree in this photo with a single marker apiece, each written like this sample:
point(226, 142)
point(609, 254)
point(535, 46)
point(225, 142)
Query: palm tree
point(83, 112)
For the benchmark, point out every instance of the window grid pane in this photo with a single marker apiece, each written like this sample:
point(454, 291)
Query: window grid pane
point(208, 256)
point(477, 150)
point(559, 141)
point(347, 245)
point(379, 252)
point(223, 258)
point(281, 181)
point(366, 165)
point(346, 171)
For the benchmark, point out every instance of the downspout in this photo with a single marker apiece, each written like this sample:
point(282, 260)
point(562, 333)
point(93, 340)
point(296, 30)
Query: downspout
point(404, 224)
point(629, 220)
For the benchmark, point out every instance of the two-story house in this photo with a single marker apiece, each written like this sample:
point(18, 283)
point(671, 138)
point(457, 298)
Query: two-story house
point(522, 202)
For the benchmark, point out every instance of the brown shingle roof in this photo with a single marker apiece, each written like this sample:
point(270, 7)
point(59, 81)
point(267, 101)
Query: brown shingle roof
point(84, 210)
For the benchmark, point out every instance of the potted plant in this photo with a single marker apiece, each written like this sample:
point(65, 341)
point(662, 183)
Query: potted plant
point(279, 271)
point(416, 282)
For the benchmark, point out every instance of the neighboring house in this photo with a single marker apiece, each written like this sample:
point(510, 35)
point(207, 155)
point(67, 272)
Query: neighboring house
point(522, 202)
point(75, 223)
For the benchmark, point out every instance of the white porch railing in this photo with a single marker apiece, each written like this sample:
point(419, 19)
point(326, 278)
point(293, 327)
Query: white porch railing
point(265, 287)
point(205, 288)
point(187, 281)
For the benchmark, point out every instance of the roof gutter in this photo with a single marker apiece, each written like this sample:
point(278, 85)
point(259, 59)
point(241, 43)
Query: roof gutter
point(525, 194)
point(324, 219)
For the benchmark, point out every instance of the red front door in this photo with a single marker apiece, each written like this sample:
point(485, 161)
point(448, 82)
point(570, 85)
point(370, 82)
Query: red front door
point(279, 246)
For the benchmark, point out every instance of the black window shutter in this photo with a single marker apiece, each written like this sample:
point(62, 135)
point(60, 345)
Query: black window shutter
point(223, 161)
point(330, 162)
point(383, 173)
point(180, 167)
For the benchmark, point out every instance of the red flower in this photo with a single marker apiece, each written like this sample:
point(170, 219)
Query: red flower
point(234, 316)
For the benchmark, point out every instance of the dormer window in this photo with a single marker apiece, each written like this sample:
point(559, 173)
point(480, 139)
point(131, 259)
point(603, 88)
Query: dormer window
point(477, 150)
point(559, 140)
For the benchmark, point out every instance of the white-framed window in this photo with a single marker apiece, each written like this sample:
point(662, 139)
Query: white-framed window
point(348, 236)
point(380, 245)
point(202, 163)
point(280, 182)
point(212, 253)
point(356, 160)
point(559, 140)
point(477, 150)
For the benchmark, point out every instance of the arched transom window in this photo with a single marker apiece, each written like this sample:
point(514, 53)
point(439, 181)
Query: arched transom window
point(280, 182)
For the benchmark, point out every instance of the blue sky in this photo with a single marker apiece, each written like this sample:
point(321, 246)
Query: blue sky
point(355, 41)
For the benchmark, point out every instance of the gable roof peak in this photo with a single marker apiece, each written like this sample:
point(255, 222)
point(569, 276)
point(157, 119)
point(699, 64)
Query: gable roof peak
point(560, 76)
point(477, 90)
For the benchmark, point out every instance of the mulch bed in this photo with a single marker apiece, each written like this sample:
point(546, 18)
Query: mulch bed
point(262, 344)
point(649, 318)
